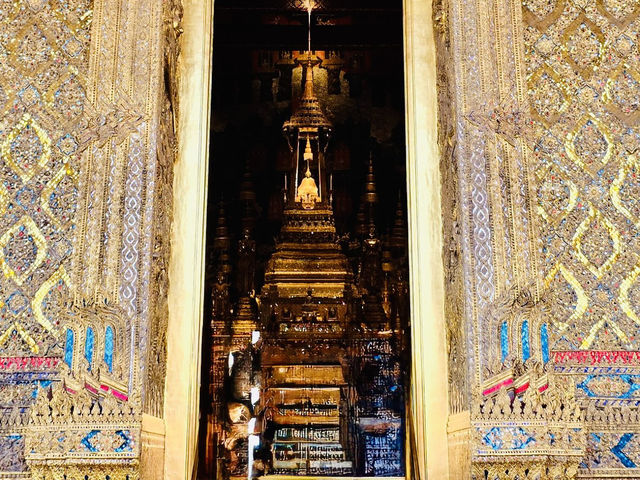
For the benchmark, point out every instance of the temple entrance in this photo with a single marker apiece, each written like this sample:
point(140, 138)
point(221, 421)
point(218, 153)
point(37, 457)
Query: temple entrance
point(306, 329)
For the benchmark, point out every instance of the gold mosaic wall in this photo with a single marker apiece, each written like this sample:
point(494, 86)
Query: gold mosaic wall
point(581, 60)
point(584, 86)
point(44, 48)
point(44, 53)
point(545, 104)
point(86, 154)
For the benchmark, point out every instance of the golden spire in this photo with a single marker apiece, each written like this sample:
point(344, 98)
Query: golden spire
point(247, 196)
point(361, 221)
point(308, 81)
point(308, 190)
point(222, 241)
point(370, 198)
point(399, 229)
point(308, 154)
point(370, 195)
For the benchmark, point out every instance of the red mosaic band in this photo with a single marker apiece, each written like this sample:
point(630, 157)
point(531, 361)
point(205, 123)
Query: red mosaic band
point(28, 363)
point(596, 357)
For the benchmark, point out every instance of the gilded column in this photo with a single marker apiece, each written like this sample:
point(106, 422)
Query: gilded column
point(186, 269)
point(429, 368)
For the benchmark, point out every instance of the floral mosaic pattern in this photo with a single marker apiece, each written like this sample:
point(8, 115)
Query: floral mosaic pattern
point(581, 60)
point(38, 164)
point(43, 46)
point(585, 158)
point(79, 116)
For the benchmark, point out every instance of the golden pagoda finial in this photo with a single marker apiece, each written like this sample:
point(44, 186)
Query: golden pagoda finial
point(308, 154)
point(370, 195)
point(308, 81)
point(222, 241)
point(308, 190)
point(399, 229)
point(370, 198)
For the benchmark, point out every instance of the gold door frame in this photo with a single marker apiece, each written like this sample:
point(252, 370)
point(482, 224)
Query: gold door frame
point(186, 268)
point(428, 394)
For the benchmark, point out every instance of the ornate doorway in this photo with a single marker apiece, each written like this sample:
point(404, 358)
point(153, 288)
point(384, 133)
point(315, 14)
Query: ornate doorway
point(428, 398)
point(306, 338)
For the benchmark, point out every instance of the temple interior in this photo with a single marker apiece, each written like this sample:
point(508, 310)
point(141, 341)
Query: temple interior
point(307, 333)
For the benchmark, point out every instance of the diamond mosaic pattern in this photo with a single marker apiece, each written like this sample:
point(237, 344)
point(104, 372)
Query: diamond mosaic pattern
point(508, 438)
point(548, 98)
point(67, 98)
point(612, 450)
point(41, 51)
point(610, 386)
point(542, 12)
point(558, 195)
point(619, 12)
point(589, 144)
point(584, 45)
point(597, 243)
point(621, 94)
point(619, 452)
point(26, 148)
point(584, 88)
point(22, 250)
point(31, 51)
point(43, 46)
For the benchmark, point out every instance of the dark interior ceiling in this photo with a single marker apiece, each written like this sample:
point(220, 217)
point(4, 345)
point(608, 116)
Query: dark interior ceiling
point(335, 25)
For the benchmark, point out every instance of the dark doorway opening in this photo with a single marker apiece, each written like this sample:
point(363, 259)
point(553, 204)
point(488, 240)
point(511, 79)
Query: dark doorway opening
point(306, 330)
